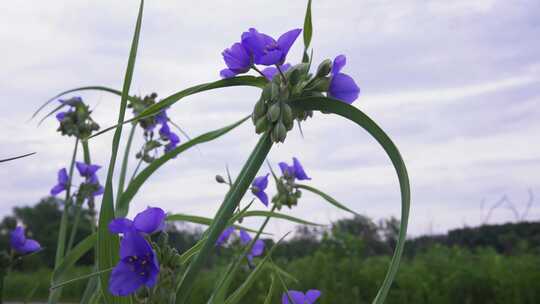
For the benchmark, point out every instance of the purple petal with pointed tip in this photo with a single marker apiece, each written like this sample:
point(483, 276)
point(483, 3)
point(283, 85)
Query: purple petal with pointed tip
point(226, 73)
point(312, 295)
point(258, 248)
point(120, 225)
point(245, 238)
point(237, 58)
point(299, 172)
point(296, 296)
point(339, 63)
point(286, 40)
point(123, 280)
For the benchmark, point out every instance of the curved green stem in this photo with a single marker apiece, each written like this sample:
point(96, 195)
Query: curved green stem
point(223, 215)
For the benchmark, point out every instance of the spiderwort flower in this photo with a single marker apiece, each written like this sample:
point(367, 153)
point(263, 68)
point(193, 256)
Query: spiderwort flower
point(258, 186)
point(87, 170)
point(342, 86)
point(256, 250)
point(270, 72)
point(265, 49)
point(62, 182)
point(166, 133)
point(138, 265)
point(21, 244)
point(224, 236)
point(238, 60)
point(296, 171)
point(299, 297)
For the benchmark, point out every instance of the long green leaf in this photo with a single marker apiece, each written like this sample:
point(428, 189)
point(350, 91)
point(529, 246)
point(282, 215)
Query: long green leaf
point(201, 220)
point(225, 212)
point(329, 105)
point(246, 285)
point(87, 88)
point(136, 184)
point(249, 81)
point(73, 256)
point(263, 213)
point(107, 243)
point(327, 197)
point(16, 157)
point(271, 289)
point(308, 32)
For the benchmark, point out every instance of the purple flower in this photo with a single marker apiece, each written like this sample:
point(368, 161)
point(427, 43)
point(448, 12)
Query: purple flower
point(265, 49)
point(62, 182)
point(296, 171)
point(21, 244)
point(224, 236)
point(87, 170)
point(256, 250)
point(61, 115)
point(258, 186)
point(299, 297)
point(238, 60)
point(270, 72)
point(166, 133)
point(161, 117)
point(138, 265)
point(72, 102)
point(148, 221)
point(342, 86)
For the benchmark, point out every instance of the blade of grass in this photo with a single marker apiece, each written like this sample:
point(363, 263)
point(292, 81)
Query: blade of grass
point(16, 157)
point(124, 167)
point(224, 214)
point(308, 32)
point(342, 109)
point(327, 197)
point(107, 243)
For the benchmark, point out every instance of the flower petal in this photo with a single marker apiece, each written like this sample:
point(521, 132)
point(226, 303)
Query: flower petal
point(270, 72)
point(339, 63)
point(261, 182)
point(150, 220)
point(237, 58)
point(57, 189)
point(120, 225)
point(312, 295)
point(285, 169)
point(299, 172)
point(30, 246)
point(245, 238)
point(133, 244)
point(286, 40)
point(258, 248)
point(263, 197)
point(343, 87)
point(60, 116)
point(270, 58)
point(17, 238)
point(227, 73)
point(297, 297)
point(224, 236)
point(63, 176)
point(124, 281)
point(256, 42)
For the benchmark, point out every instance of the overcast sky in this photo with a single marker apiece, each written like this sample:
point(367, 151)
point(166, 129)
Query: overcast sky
point(454, 83)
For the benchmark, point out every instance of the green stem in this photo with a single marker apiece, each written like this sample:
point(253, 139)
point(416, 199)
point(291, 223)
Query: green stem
point(62, 233)
point(225, 212)
point(125, 162)
point(2, 277)
point(76, 220)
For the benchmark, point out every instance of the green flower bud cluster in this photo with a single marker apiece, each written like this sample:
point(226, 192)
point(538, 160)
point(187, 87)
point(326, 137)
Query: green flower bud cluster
point(169, 263)
point(147, 148)
point(77, 121)
point(139, 104)
point(274, 112)
point(287, 194)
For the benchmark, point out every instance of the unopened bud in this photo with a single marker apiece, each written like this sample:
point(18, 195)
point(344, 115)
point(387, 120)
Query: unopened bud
point(261, 125)
point(220, 179)
point(287, 116)
point(274, 93)
point(260, 108)
point(273, 113)
point(279, 133)
point(320, 84)
point(324, 68)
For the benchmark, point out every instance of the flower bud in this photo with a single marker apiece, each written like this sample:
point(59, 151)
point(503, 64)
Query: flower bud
point(220, 179)
point(320, 84)
point(273, 113)
point(287, 116)
point(292, 200)
point(261, 125)
point(274, 92)
point(260, 108)
point(279, 133)
point(324, 68)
